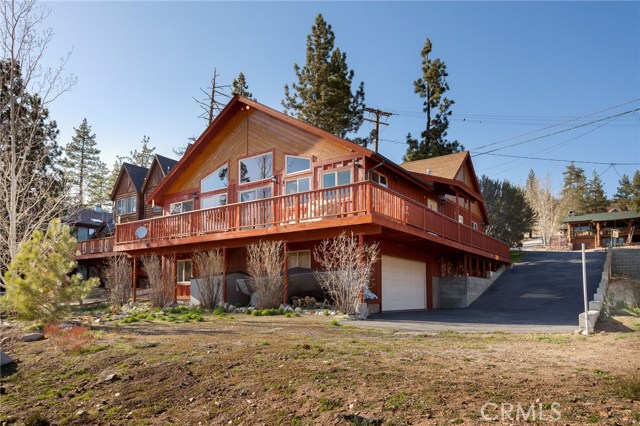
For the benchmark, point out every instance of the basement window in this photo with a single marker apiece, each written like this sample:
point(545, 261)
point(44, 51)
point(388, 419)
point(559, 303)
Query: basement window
point(299, 259)
point(185, 268)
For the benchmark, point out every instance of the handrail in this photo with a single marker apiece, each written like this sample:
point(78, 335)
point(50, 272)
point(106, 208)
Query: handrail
point(95, 246)
point(341, 201)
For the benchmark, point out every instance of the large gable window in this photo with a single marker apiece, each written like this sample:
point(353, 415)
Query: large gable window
point(256, 168)
point(331, 179)
point(297, 164)
point(216, 180)
point(255, 194)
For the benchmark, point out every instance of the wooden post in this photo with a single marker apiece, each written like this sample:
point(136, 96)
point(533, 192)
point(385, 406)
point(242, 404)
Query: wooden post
point(484, 269)
point(224, 275)
point(465, 271)
point(597, 235)
point(458, 214)
point(569, 239)
point(135, 279)
point(361, 261)
point(285, 295)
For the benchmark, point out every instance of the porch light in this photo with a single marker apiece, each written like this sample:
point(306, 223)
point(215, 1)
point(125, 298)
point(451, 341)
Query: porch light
point(195, 195)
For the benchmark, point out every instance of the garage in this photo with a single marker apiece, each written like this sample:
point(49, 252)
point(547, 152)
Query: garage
point(403, 284)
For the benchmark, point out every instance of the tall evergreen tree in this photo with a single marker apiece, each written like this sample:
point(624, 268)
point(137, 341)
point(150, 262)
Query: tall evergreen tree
point(99, 192)
point(574, 190)
point(240, 87)
point(635, 185)
point(510, 215)
point(113, 174)
point(595, 200)
point(432, 87)
point(623, 197)
point(323, 94)
point(142, 158)
point(82, 158)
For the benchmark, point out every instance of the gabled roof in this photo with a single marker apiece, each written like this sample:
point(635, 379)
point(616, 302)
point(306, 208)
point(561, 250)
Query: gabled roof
point(602, 217)
point(166, 164)
point(137, 175)
point(446, 166)
point(236, 104)
point(90, 218)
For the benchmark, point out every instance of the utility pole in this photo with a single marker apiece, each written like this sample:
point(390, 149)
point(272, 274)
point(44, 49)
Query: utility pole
point(377, 113)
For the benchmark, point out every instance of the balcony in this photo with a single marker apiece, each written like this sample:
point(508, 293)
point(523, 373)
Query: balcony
point(95, 248)
point(359, 203)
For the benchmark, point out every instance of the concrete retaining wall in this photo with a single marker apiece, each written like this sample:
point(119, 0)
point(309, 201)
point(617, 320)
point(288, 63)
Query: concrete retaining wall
point(460, 292)
point(596, 305)
point(626, 261)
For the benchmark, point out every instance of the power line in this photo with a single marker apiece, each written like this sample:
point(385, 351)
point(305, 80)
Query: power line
point(377, 113)
point(565, 161)
point(555, 133)
point(560, 124)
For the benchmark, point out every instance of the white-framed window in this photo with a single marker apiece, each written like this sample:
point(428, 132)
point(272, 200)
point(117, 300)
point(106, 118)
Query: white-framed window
point(216, 200)
point(379, 178)
point(126, 205)
point(299, 259)
point(297, 185)
point(216, 180)
point(337, 178)
point(474, 225)
point(255, 194)
point(256, 168)
point(184, 269)
point(181, 207)
point(296, 164)
point(460, 218)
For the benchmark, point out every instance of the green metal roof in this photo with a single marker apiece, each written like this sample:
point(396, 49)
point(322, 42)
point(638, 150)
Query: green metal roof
point(602, 217)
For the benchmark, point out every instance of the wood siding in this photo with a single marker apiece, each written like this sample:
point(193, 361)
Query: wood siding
point(153, 179)
point(126, 189)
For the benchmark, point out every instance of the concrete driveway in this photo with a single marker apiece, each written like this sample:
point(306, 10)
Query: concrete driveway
point(541, 294)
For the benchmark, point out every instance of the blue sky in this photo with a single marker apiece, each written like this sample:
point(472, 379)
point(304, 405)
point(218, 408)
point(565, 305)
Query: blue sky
point(514, 67)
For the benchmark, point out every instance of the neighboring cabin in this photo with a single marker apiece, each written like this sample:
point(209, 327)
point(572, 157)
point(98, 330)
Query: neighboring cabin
point(256, 173)
point(614, 228)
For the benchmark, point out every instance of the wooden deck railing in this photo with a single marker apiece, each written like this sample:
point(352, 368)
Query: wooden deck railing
point(95, 246)
point(349, 200)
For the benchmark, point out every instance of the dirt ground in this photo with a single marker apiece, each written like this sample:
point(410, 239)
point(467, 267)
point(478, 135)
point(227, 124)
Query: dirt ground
point(243, 370)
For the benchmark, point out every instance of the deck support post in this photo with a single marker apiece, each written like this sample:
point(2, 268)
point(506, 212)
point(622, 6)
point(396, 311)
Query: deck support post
point(134, 278)
point(224, 275)
point(597, 235)
point(361, 261)
point(285, 260)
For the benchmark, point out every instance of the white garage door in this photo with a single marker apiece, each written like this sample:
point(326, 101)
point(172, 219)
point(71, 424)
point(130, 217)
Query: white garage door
point(403, 284)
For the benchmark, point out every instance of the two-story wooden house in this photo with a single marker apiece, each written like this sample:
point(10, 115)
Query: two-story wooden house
point(256, 173)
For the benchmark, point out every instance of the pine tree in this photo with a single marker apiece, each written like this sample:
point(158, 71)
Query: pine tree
point(113, 174)
point(81, 161)
point(99, 191)
point(39, 281)
point(323, 95)
point(635, 184)
point(574, 191)
point(510, 214)
point(142, 158)
point(240, 87)
point(623, 197)
point(432, 87)
point(595, 200)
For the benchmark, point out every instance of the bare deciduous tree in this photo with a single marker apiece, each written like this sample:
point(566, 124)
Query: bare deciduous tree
point(548, 208)
point(265, 264)
point(29, 194)
point(210, 267)
point(347, 270)
point(118, 274)
point(162, 279)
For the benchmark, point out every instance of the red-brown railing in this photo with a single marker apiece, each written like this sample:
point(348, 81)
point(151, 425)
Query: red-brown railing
point(95, 246)
point(349, 200)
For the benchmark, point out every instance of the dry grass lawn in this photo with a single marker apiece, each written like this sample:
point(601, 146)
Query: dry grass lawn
point(243, 370)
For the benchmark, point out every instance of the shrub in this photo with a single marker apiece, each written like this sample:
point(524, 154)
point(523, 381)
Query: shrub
point(210, 267)
point(39, 281)
point(162, 279)
point(347, 268)
point(36, 419)
point(119, 275)
point(265, 264)
point(70, 339)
